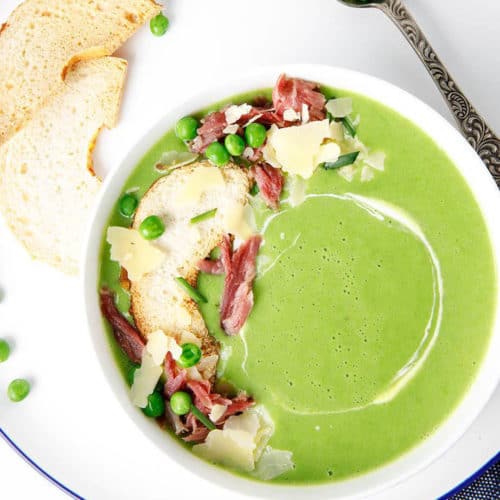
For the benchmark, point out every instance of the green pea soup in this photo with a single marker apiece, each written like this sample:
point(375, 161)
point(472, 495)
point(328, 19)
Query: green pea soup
point(369, 324)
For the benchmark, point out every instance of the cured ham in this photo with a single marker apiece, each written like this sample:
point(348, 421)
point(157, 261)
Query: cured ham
point(237, 299)
point(127, 336)
point(293, 93)
point(211, 130)
point(240, 270)
point(176, 377)
point(270, 181)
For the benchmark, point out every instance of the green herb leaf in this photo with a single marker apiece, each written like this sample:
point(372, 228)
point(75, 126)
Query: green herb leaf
point(349, 126)
point(342, 161)
point(209, 214)
point(191, 291)
point(202, 418)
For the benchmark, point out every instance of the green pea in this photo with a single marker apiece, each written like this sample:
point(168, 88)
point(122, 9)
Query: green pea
point(128, 205)
point(255, 135)
point(191, 355)
point(159, 25)
point(235, 144)
point(217, 154)
point(180, 402)
point(186, 128)
point(4, 350)
point(152, 227)
point(18, 389)
point(156, 405)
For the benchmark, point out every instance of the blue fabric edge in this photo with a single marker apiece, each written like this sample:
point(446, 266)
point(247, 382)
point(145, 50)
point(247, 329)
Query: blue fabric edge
point(71, 493)
point(43, 472)
point(472, 478)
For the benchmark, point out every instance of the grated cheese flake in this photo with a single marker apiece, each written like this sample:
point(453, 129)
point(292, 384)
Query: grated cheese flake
point(376, 160)
point(366, 174)
point(339, 108)
point(137, 255)
point(174, 159)
point(305, 113)
point(237, 221)
point(273, 463)
point(290, 115)
point(231, 129)
point(198, 182)
point(145, 379)
point(217, 412)
point(159, 344)
point(328, 152)
point(296, 147)
point(347, 172)
point(235, 112)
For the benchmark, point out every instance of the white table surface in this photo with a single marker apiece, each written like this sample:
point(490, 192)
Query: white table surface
point(208, 40)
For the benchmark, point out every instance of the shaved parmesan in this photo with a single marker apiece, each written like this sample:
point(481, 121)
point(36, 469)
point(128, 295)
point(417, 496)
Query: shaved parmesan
point(193, 373)
point(305, 113)
point(237, 222)
point(241, 442)
point(339, 108)
point(228, 447)
point(328, 152)
point(347, 172)
point(174, 159)
point(231, 129)
point(337, 131)
point(247, 422)
point(366, 174)
point(268, 152)
point(376, 160)
point(217, 412)
point(199, 181)
point(145, 379)
point(137, 255)
point(248, 153)
point(159, 344)
point(234, 113)
point(290, 115)
point(296, 147)
point(273, 463)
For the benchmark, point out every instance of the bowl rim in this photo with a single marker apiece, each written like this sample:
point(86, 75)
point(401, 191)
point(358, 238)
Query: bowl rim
point(467, 163)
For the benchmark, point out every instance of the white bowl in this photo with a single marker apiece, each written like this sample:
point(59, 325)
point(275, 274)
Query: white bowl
point(487, 196)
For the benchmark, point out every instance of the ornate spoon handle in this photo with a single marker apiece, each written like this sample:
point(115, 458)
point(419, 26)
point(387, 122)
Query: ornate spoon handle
point(472, 125)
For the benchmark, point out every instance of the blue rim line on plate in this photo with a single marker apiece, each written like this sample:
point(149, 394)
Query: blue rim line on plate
point(472, 478)
point(43, 472)
point(71, 493)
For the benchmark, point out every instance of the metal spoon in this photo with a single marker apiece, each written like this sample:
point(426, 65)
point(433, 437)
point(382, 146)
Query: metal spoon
point(472, 125)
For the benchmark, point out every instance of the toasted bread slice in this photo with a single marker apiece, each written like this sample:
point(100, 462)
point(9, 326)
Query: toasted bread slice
point(157, 301)
point(46, 182)
point(42, 39)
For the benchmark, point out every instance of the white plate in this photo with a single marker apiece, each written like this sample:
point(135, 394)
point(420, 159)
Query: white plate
point(70, 424)
point(465, 159)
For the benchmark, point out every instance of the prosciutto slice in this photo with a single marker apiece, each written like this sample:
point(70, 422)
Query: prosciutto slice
point(270, 181)
point(237, 299)
point(292, 93)
point(211, 130)
point(128, 337)
point(240, 270)
point(176, 377)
